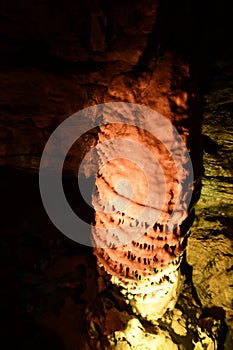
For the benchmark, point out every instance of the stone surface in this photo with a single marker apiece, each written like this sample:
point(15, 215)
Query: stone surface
point(210, 250)
point(56, 58)
point(133, 264)
point(113, 58)
point(212, 268)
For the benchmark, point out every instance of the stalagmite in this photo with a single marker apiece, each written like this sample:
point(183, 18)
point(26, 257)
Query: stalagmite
point(141, 247)
point(142, 208)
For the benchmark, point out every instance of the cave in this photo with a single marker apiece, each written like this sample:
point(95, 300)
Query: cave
point(121, 78)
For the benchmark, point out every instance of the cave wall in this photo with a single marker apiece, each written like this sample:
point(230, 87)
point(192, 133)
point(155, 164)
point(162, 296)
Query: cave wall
point(57, 58)
point(60, 57)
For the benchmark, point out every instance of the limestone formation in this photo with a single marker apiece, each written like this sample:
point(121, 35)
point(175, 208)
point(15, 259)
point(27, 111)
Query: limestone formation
point(143, 272)
point(60, 57)
point(141, 250)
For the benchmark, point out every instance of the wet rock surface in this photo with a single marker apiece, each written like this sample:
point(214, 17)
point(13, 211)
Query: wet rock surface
point(53, 64)
point(142, 255)
point(210, 250)
point(57, 280)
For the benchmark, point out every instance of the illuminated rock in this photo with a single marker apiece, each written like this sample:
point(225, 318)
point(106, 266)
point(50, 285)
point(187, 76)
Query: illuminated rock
point(138, 246)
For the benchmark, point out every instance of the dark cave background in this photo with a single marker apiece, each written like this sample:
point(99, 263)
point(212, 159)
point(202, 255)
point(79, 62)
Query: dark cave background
point(45, 278)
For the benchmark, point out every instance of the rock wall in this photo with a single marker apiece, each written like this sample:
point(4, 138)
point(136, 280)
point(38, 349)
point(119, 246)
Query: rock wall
point(57, 58)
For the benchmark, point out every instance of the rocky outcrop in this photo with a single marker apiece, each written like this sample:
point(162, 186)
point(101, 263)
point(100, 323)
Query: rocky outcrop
point(58, 58)
point(209, 249)
point(143, 272)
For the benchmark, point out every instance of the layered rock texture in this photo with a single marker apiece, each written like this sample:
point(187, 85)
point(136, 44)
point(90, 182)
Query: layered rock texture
point(140, 227)
point(58, 58)
point(212, 234)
